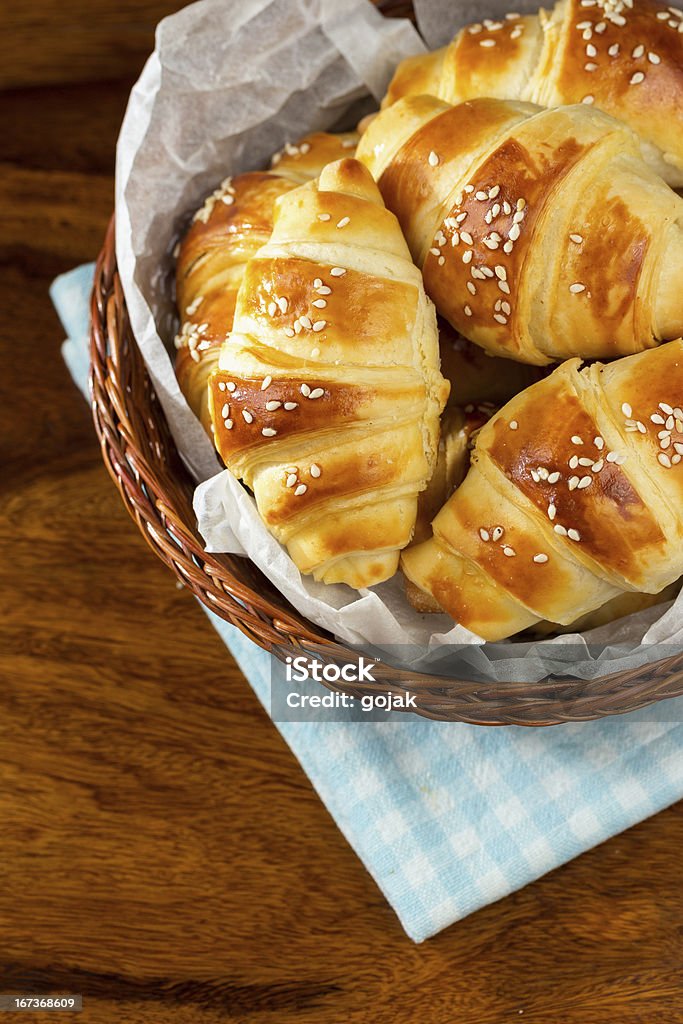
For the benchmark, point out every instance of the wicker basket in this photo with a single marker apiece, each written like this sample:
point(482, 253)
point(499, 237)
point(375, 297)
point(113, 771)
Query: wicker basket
point(156, 488)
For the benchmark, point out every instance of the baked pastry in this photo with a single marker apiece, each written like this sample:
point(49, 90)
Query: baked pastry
point(623, 56)
point(232, 224)
point(541, 234)
point(617, 608)
point(327, 396)
point(458, 426)
point(575, 495)
point(477, 377)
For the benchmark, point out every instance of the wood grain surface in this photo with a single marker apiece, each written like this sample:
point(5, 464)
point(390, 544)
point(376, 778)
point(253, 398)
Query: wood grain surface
point(161, 851)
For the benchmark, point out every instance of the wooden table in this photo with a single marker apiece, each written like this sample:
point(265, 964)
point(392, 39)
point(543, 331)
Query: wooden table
point(161, 850)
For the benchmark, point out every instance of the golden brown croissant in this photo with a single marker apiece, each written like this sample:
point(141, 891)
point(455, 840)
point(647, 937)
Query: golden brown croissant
point(233, 223)
point(623, 56)
point(541, 233)
point(477, 377)
point(327, 395)
point(575, 495)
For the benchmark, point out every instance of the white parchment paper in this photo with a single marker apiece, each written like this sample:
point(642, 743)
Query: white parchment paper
point(227, 85)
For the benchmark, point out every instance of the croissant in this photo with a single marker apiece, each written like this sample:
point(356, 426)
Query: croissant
point(232, 224)
point(477, 377)
point(327, 396)
point(623, 56)
point(542, 234)
point(575, 495)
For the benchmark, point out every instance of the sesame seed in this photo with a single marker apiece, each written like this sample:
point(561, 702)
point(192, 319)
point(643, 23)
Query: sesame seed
point(289, 332)
point(323, 216)
point(291, 405)
point(324, 290)
point(509, 552)
point(638, 52)
point(513, 424)
point(654, 58)
point(315, 470)
point(305, 390)
point(231, 386)
point(433, 159)
point(585, 461)
point(467, 237)
point(480, 195)
point(599, 443)
point(343, 222)
point(666, 408)
point(591, 51)
point(574, 535)
point(301, 489)
point(316, 393)
point(626, 409)
point(484, 534)
point(584, 482)
point(508, 247)
point(228, 424)
point(305, 322)
point(500, 272)
point(614, 50)
point(269, 432)
point(576, 439)
point(467, 310)
point(506, 307)
point(664, 460)
point(337, 271)
point(467, 256)
point(319, 325)
point(499, 318)
point(574, 461)
point(540, 558)
point(471, 288)
point(266, 382)
point(494, 192)
point(553, 477)
point(247, 416)
point(221, 386)
point(577, 238)
point(637, 78)
point(576, 288)
point(514, 232)
point(588, 99)
point(441, 260)
point(504, 287)
point(319, 303)
point(590, 66)
point(560, 529)
point(552, 511)
point(225, 411)
point(573, 482)
point(272, 406)
point(487, 42)
point(283, 304)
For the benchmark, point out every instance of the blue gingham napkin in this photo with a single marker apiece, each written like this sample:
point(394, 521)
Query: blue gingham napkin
point(448, 817)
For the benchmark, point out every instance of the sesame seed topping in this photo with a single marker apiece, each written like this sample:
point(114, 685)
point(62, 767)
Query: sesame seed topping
point(573, 482)
point(588, 99)
point(301, 489)
point(433, 159)
point(315, 470)
point(305, 321)
point(626, 409)
point(316, 393)
point(576, 439)
point(269, 432)
point(319, 303)
point(500, 272)
point(272, 406)
point(266, 382)
point(467, 237)
point(553, 477)
point(467, 310)
point(574, 535)
point(540, 558)
point(574, 461)
point(590, 66)
point(484, 534)
point(577, 238)
point(638, 51)
point(514, 233)
point(231, 385)
point(504, 287)
point(509, 552)
point(471, 288)
point(599, 443)
point(228, 424)
point(283, 304)
point(480, 195)
point(666, 408)
point(221, 386)
point(614, 50)
point(487, 42)
point(343, 222)
point(513, 424)
point(558, 528)
point(225, 411)
point(323, 216)
point(637, 78)
point(247, 416)
point(654, 58)
point(499, 318)
point(305, 390)
point(576, 288)
point(289, 332)
point(467, 256)
point(337, 271)
point(591, 51)
point(319, 325)
point(291, 405)
point(664, 460)
point(552, 511)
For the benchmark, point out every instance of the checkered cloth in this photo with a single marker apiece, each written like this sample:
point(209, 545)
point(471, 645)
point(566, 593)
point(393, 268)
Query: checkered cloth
point(447, 817)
